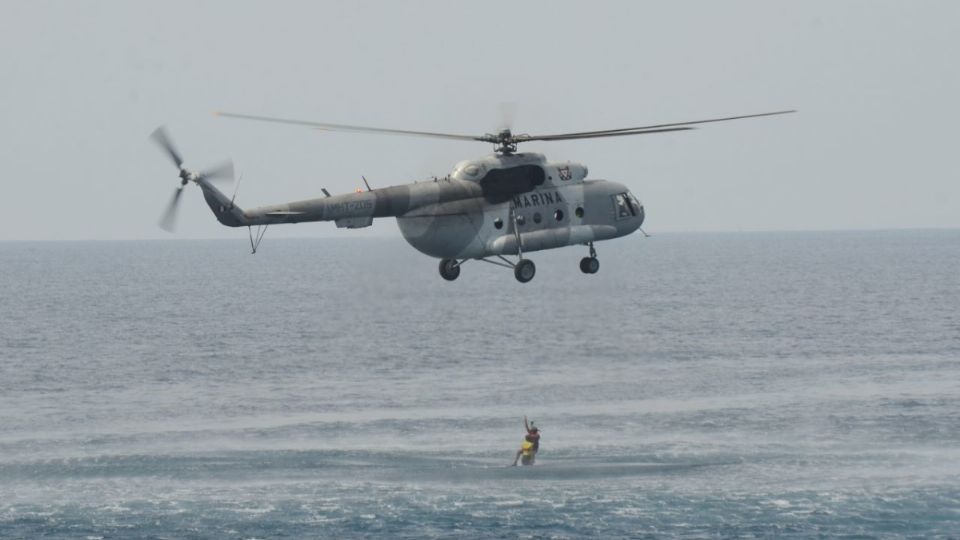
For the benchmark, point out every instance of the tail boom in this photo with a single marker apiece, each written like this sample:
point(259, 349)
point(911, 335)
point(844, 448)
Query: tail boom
point(350, 210)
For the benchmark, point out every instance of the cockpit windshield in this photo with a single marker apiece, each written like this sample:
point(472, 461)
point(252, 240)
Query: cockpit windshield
point(626, 205)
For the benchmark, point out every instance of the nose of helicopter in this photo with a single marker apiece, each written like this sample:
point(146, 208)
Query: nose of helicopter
point(641, 214)
point(631, 215)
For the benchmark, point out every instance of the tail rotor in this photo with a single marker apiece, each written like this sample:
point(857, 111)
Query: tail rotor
point(222, 171)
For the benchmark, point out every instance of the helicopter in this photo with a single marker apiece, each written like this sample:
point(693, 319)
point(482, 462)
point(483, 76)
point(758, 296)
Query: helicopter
point(506, 204)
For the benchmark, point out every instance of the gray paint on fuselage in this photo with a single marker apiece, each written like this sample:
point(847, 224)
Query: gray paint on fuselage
point(456, 216)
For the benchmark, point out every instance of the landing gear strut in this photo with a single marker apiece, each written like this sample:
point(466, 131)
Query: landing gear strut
point(523, 270)
point(449, 269)
point(590, 265)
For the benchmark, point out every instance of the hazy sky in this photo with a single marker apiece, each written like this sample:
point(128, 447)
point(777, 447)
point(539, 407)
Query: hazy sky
point(873, 146)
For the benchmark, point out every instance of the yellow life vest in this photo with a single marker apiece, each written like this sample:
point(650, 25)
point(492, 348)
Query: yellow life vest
point(527, 448)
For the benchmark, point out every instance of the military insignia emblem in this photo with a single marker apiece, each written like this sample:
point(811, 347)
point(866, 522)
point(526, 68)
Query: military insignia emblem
point(564, 173)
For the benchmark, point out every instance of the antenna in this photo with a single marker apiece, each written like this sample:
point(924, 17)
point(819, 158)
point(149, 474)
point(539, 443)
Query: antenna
point(365, 182)
point(236, 188)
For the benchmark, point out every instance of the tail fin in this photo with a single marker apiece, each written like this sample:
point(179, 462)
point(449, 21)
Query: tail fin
point(223, 208)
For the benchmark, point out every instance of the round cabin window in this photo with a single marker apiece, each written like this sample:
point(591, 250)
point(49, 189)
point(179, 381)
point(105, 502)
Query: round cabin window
point(579, 211)
point(498, 223)
point(558, 215)
point(536, 217)
point(521, 220)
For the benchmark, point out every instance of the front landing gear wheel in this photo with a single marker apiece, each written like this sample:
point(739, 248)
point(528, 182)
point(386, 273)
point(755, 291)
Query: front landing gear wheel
point(589, 265)
point(524, 270)
point(449, 269)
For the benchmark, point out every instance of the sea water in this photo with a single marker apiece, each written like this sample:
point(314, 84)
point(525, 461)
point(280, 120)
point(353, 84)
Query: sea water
point(698, 386)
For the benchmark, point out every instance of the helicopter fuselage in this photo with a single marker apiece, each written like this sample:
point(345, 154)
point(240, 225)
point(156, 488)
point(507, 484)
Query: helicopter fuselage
point(508, 203)
point(502, 204)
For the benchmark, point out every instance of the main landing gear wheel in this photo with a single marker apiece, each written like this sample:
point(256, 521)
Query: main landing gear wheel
point(450, 269)
point(524, 270)
point(590, 265)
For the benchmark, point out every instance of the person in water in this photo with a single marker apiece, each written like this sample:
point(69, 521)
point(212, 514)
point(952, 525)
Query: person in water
point(530, 446)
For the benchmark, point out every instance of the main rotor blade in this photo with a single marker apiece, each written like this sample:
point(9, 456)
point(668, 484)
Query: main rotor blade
point(169, 218)
point(222, 171)
point(647, 129)
point(572, 136)
point(358, 129)
point(508, 114)
point(160, 137)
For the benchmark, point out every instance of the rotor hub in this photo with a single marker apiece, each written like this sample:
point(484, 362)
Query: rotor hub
point(185, 176)
point(506, 143)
